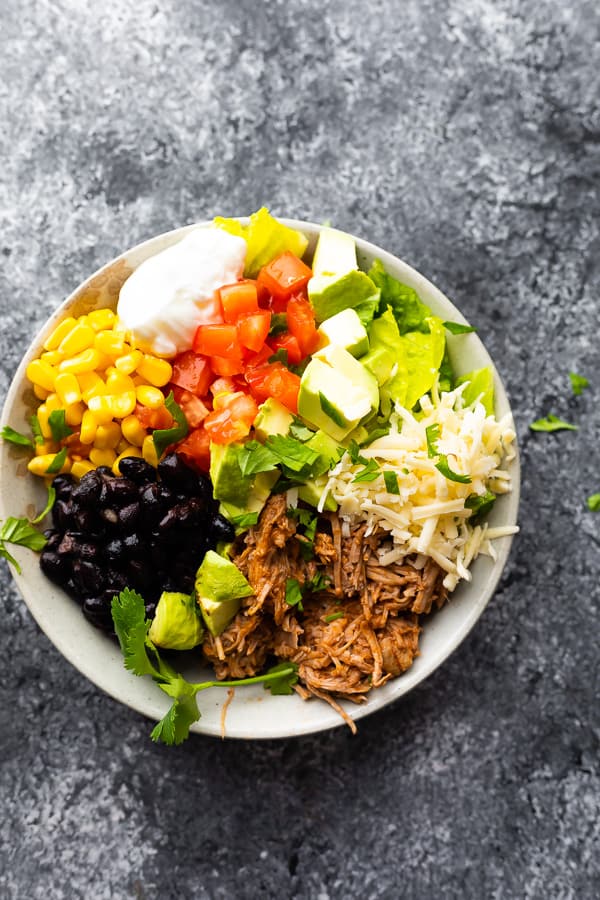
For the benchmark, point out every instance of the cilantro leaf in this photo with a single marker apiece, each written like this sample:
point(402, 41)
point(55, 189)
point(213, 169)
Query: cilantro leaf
point(293, 593)
point(15, 437)
point(479, 504)
point(278, 324)
point(458, 328)
point(552, 423)
point(131, 627)
point(443, 466)
point(22, 532)
point(291, 453)
point(593, 503)
point(58, 462)
point(4, 553)
point(330, 410)
point(299, 430)
point(578, 383)
point(174, 727)
point(370, 472)
point(58, 425)
point(164, 437)
point(318, 582)
point(244, 520)
point(287, 677)
point(280, 355)
point(355, 455)
point(432, 436)
point(256, 458)
point(48, 506)
point(391, 482)
point(36, 430)
point(333, 616)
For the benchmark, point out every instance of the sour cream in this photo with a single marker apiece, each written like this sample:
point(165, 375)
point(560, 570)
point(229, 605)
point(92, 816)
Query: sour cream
point(169, 295)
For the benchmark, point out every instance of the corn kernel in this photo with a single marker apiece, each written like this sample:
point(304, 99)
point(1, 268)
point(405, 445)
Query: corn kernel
point(46, 447)
point(74, 413)
point(102, 457)
point(81, 467)
point(43, 413)
point(128, 451)
point(149, 451)
point(53, 402)
point(89, 425)
point(112, 406)
point(111, 344)
point(128, 363)
point(52, 357)
point(101, 319)
point(79, 338)
point(39, 464)
point(90, 385)
point(67, 388)
point(60, 332)
point(150, 396)
point(40, 392)
point(118, 383)
point(86, 361)
point(156, 371)
point(107, 436)
point(42, 373)
point(133, 431)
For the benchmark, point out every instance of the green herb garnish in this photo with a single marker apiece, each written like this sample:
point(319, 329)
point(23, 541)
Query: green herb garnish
point(164, 437)
point(480, 504)
point(36, 430)
point(48, 506)
point(293, 593)
point(58, 462)
point(578, 383)
point(333, 616)
point(391, 482)
point(58, 425)
point(281, 356)
point(593, 503)
point(20, 531)
point(245, 520)
point(369, 473)
point(15, 437)
point(299, 430)
point(552, 423)
point(458, 328)
point(432, 435)
point(278, 324)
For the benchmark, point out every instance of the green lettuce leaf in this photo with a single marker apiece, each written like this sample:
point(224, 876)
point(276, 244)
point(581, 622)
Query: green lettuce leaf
point(410, 313)
point(480, 386)
point(266, 239)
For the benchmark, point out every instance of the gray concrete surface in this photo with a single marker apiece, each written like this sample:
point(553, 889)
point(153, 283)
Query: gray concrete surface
point(465, 137)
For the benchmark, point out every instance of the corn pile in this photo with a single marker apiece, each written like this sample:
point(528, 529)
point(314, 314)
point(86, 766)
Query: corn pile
point(91, 371)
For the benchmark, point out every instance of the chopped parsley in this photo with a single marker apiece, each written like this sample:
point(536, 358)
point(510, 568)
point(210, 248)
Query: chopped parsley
point(22, 532)
point(333, 616)
point(458, 328)
point(299, 430)
point(58, 462)
point(480, 504)
point(578, 383)
point(58, 425)
point(370, 472)
point(552, 423)
point(36, 430)
point(432, 435)
point(593, 503)
point(15, 437)
point(391, 482)
point(293, 593)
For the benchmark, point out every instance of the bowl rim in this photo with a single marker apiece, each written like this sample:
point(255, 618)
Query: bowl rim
point(153, 706)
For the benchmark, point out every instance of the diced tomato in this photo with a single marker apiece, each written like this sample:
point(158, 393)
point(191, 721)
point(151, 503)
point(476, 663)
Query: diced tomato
point(284, 276)
point(289, 343)
point(192, 373)
point(193, 408)
point(253, 330)
point(238, 300)
point(260, 358)
point(276, 381)
point(218, 340)
point(153, 418)
point(232, 418)
point(223, 385)
point(301, 323)
point(222, 366)
point(195, 448)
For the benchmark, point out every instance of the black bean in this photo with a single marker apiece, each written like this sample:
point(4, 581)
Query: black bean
point(88, 577)
point(221, 529)
point(62, 514)
point(115, 549)
point(175, 474)
point(137, 470)
point(63, 485)
point(105, 472)
point(70, 544)
point(152, 502)
point(89, 551)
point(119, 492)
point(97, 611)
point(150, 610)
point(57, 568)
point(86, 521)
point(110, 516)
point(53, 538)
point(139, 574)
point(115, 580)
point(129, 515)
point(182, 515)
point(88, 490)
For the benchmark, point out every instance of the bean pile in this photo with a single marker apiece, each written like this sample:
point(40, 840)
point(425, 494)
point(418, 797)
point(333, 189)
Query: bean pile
point(147, 529)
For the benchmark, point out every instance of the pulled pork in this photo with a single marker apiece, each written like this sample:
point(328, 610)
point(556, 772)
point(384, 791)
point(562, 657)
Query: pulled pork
point(355, 634)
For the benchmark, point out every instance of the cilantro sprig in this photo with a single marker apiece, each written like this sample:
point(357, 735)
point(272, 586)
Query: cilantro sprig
point(432, 435)
point(578, 383)
point(552, 423)
point(15, 437)
point(458, 328)
point(593, 503)
point(22, 532)
point(142, 658)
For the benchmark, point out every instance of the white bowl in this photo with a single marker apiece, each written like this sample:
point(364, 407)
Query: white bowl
point(254, 713)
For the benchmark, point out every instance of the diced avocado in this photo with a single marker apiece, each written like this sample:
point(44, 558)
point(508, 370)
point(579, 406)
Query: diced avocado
point(330, 294)
point(343, 362)
point(272, 418)
point(176, 624)
point(380, 362)
point(345, 330)
point(259, 493)
point(220, 587)
point(358, 434)
point(311, 491)
point(335, 253)
point(228, 482)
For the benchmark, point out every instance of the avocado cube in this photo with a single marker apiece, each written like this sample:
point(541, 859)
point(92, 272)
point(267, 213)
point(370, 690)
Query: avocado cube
point(176, 625)
point(335, 253)
point(272, 418)
point(330, 294)
point(220, 587)
point(345, 330)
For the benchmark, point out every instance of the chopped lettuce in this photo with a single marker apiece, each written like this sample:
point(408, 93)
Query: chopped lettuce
point(410, 313)
point(480, 386)
point(266, 239)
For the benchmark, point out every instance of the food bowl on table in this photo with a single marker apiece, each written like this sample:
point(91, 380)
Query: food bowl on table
point(253, 712)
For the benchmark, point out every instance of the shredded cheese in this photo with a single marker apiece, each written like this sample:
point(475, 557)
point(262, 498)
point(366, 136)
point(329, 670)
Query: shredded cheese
point(428, 517)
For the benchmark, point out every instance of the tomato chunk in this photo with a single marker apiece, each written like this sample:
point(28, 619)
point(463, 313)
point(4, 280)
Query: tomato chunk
point(239, 299)
point(289, 343)
point(232, 418)
point(223, 366)
point(276, 381)
point(218, 340)
point(153, 418)
point(195, 448)
point(193, 408)
point(253, 330)
point(192, 373)
point(284, 276)
point(301, 323)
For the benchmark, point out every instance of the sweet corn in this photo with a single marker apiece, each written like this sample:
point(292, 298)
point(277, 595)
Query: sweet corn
point(128, 363)
point(42, 373)
point(79, 338)
point(39, 465)
point(118, 383)
point(102, 457)
point(40, 392)
point(53, 402)
point(133, 431)
point(89, 425)
point(81, 467)
point(46, 447)
point(52, 357)
point(89, 385)
point(59, 333)
point(150, 396)
point(107, 436)
point(86, 361)
point(111, 344)
point(128, 451)
point(112, 406)
point(43, 414)
point(156, 371)
point(101, 319)
point(149, 451)
point(74, 413)
point(67, 388)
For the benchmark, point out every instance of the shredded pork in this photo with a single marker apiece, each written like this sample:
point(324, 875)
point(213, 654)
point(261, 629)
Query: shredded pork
point(351, 636)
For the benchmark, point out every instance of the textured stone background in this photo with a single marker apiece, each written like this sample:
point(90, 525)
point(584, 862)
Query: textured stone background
point(465, 137)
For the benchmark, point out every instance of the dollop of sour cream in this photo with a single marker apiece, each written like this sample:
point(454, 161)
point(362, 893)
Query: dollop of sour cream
point(169, 295)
